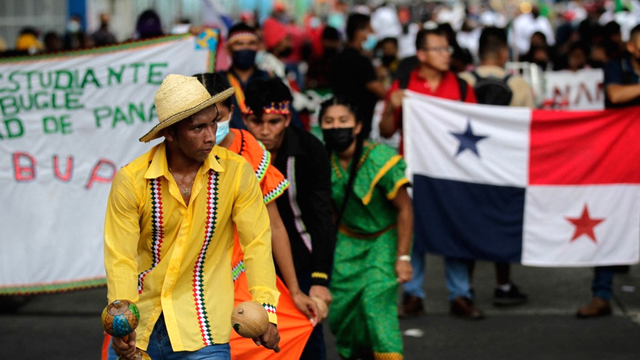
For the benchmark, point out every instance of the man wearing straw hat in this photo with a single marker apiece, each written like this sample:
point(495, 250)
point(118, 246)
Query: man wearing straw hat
point(169, 233)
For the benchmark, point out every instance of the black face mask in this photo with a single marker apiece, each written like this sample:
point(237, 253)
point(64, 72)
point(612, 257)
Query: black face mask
point(286, 52)
point(244, 59)
point(338, 139)
point(387, 59)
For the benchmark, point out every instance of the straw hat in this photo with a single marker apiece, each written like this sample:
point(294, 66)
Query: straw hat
point(179, 97)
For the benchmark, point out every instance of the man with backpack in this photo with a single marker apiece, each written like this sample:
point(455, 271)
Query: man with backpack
point(431, 77)
point(491, 83)
point(493, 86)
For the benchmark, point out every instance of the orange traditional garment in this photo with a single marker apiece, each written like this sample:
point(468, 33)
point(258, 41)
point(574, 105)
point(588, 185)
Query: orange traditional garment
point(293, 325)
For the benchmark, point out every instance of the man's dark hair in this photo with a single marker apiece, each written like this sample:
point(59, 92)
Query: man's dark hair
point(29, 30)
point(541, 35)
point(240, 27)
point(149, 24)
point(492, 41)
point(611, 28)
point(392, 40)
point(579, 45)
point(261, 93)
point(421, 37)
point(355, 22)
point(330, 33)
point(634, 32)
point(215, 83)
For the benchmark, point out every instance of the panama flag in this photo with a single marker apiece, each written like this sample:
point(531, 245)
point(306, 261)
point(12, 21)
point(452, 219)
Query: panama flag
point(540, 187)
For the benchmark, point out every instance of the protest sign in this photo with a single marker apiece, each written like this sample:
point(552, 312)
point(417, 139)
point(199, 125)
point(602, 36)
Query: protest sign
point(580, 90)
point(68, 122)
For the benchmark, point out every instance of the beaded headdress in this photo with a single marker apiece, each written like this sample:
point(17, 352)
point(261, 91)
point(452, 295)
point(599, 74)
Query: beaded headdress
point(241, 35)
point(280, 108)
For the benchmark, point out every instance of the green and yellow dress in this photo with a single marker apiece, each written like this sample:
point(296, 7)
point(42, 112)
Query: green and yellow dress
point(363, 314)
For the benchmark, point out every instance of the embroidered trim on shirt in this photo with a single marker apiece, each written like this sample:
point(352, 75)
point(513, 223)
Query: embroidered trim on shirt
point(237, 270)
point(157, 229)
point(293, 202)
point(242, 143)
point(264, 162)
point(400, 183)
point(383, 170)
point(319, 275)
point(270, 308)
point(198, 275)
point(363, 158)
point(335, 166)
point(276, 192)
point(387, 356)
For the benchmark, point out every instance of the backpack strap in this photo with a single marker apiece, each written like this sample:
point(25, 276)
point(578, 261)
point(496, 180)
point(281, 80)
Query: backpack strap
point(463, 88)
point(476, 76)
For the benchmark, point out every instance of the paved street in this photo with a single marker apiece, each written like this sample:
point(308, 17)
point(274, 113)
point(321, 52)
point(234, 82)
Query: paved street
point(67, 326)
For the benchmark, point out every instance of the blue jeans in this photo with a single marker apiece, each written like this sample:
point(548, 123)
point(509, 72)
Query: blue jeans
point(602, 283)
point(160, 348)
point(415, 286)
point(456, 272)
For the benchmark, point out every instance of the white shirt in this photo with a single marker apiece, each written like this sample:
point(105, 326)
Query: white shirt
point(525, 25)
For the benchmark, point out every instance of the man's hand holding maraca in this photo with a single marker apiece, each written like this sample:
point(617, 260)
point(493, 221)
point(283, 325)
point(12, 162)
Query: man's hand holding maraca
point(126, 350)
point(269, 339)
point(120, 319)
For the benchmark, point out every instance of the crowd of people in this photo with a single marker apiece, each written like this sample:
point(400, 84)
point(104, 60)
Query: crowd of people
point(238, 169)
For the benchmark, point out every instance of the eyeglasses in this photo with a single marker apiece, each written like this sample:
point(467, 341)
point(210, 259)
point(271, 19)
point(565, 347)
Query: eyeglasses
point(440, 49)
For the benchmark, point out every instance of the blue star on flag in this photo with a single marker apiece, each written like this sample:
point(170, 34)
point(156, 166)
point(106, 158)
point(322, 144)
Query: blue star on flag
point(468, 140)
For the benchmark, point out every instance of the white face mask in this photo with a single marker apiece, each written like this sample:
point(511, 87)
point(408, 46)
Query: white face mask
point(370, 43)
point(223, 130)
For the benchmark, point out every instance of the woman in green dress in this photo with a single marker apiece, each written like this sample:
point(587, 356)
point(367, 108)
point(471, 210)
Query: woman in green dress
point(375, 224)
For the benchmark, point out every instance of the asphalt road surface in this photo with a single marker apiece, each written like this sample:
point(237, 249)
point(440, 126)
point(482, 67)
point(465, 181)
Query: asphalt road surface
point(67, 326)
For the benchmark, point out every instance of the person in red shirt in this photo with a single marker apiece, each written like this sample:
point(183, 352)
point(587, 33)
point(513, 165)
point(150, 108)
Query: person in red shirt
point(431, 77)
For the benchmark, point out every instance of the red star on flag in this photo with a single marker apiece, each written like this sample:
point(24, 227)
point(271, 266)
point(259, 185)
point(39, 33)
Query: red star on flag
point(584, 225)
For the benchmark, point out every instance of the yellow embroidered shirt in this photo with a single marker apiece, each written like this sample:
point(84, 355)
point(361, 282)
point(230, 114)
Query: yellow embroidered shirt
point(174, 259)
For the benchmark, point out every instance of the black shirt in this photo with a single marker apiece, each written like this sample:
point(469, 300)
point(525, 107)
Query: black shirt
point(620, 72)
point(350, 73)
point(305, 207)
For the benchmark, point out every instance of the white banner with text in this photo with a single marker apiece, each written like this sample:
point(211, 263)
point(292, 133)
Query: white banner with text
point(67, 123)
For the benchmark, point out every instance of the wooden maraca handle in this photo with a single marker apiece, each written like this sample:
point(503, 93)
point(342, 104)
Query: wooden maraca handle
point(139, 355)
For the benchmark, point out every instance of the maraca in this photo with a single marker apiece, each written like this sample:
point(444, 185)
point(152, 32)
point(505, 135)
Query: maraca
point(249, 319)
point(119, 319)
